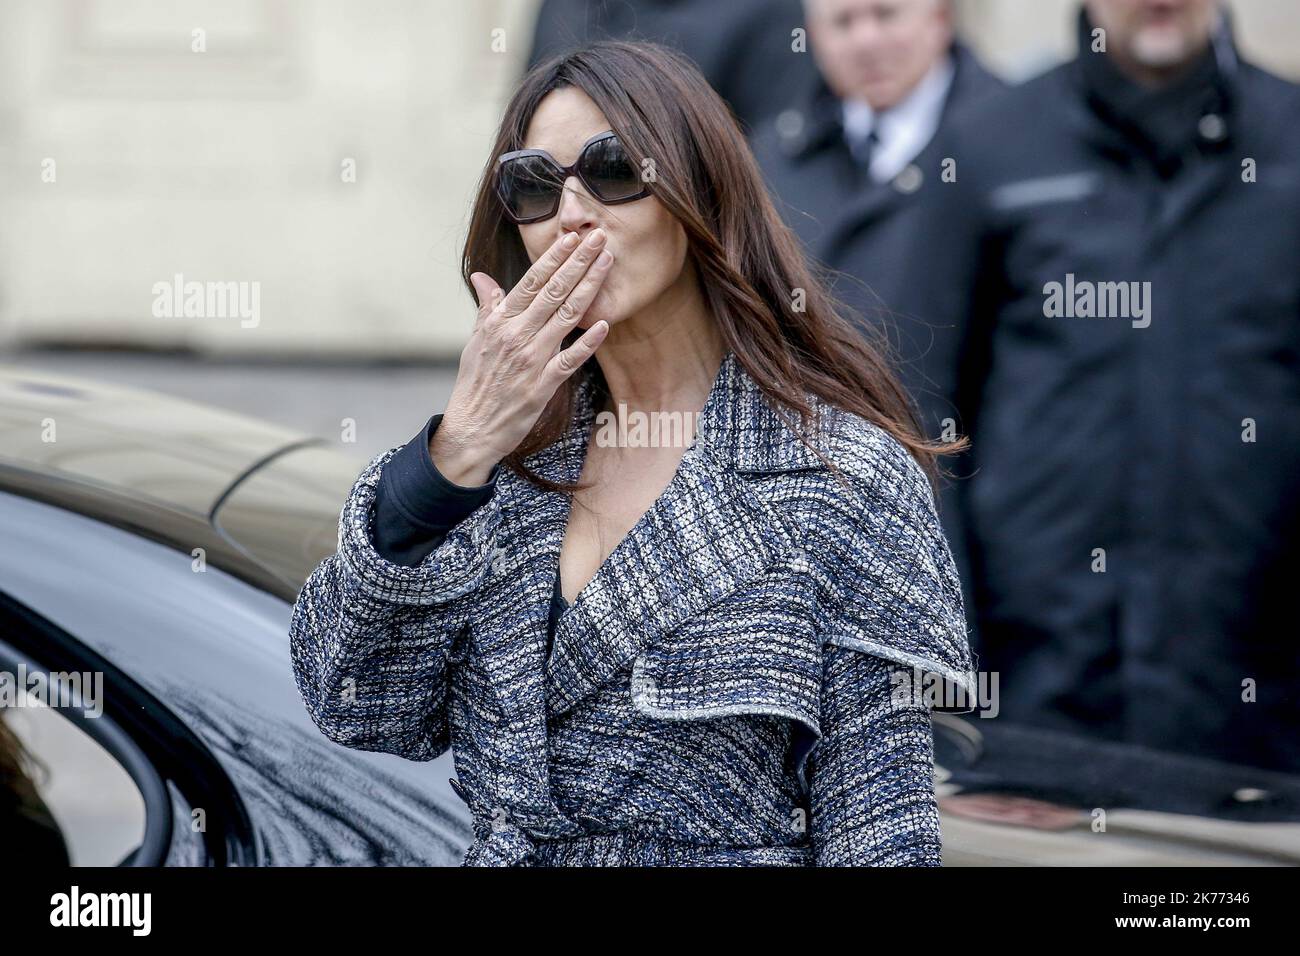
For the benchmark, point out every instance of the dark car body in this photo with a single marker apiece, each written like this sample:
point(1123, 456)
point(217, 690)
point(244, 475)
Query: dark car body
point(109, 498)
point(160, 544)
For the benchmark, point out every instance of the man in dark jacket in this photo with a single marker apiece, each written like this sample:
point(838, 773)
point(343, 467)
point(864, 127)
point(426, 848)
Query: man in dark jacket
point(850, 164)
point(748, 50)
point(1121, 247)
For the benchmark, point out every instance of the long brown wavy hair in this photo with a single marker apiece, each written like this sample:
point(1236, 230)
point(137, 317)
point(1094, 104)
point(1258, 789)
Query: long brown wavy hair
point(751, 266)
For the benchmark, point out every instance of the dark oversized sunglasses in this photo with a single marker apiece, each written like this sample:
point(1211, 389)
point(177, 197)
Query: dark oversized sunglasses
point(530, 182)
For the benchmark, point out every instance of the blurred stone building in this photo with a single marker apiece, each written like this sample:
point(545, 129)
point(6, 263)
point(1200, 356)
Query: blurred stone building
point(316, 157)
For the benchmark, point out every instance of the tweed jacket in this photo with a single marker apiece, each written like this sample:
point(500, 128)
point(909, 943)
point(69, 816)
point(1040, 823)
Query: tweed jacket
point(721, 692)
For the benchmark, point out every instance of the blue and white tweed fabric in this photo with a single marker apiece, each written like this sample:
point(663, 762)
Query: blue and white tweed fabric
point(721, 693)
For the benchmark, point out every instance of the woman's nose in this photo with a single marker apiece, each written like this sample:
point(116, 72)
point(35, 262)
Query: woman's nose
point(578, 209)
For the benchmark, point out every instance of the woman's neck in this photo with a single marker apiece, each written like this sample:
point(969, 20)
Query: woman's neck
point(664, 358)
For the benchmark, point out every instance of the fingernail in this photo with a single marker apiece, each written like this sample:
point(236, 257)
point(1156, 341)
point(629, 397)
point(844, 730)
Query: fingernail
point(596, 238)
point(605, 258)
point(569, 241)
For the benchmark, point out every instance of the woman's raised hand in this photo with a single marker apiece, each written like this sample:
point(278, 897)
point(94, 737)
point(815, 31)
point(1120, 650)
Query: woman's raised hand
point(513, 362)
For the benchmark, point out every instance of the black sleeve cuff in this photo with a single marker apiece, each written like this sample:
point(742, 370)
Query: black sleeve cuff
point(415, 506)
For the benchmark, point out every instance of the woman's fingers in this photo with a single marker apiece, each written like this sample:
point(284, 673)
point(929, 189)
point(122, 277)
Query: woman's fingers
point(567, 361)
point(573, 308)
point(561, 283)
point(538, 274)
point(487, 292)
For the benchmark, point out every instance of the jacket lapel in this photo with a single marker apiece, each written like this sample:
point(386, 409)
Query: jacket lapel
point(706, 537)
point(703, 539)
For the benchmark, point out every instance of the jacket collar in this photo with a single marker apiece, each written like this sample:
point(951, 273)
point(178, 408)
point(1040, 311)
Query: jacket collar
point(746, 432)
point(738, 426)
point(1195, 112)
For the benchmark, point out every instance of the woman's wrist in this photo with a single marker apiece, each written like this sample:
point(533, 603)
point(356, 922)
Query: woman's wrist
point(459, 462)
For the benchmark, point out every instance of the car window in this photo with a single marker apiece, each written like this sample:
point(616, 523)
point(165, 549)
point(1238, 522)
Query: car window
point(65, 799)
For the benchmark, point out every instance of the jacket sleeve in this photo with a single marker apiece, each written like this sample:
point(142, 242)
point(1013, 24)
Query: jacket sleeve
point(370, 638)
point(415, 506)
point(893, 617)
point(871, 776)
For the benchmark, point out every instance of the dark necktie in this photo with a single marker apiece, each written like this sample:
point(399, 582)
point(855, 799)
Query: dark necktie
point(864, 148)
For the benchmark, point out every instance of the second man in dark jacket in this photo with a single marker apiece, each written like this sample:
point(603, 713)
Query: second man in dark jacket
point(1122, 246)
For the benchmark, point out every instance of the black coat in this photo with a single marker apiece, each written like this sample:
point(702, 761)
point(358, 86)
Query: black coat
point(1100, 433)
point(744, 48)
point(857, 227)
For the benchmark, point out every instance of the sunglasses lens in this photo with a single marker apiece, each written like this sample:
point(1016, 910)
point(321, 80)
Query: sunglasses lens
point(610, 171)
point(529, 187)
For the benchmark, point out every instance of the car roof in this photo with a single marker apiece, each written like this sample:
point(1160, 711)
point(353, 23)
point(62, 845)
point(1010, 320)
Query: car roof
point(151, 448)
point(174, 471)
